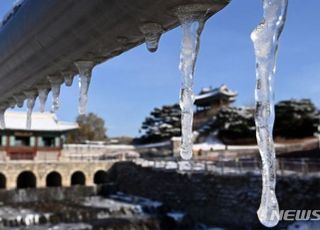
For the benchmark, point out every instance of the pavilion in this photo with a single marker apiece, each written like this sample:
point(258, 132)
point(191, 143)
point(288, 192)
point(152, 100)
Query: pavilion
point(44, 141)
point(210, 101)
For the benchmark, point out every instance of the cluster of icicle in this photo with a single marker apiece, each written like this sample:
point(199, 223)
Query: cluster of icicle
point(192, 21)
point(42, 91)
point(265, 39)
point(192, 18)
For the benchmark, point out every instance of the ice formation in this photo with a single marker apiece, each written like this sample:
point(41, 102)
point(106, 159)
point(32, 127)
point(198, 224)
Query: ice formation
point(68, 78)
point(31, 99)
point(266, 38)
point(43, 96)
point(85, 71)
point(19, 99)
point(192, 26)
point(12, 103)
point(55, 82)
point(2, 118)
point(152, 33)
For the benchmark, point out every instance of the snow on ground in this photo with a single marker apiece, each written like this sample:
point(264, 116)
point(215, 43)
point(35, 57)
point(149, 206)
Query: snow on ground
point(305, 225)
point(26, 216)
point(177, 216)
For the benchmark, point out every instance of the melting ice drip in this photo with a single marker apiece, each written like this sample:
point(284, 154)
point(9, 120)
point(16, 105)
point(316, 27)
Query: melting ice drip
point(43, 92)
point(31, 99)
point(192, 27)
point(85, 71)
point(19, 99)
point(265, 38)
point(68, 78)
point(55, 82)
point(152, 33)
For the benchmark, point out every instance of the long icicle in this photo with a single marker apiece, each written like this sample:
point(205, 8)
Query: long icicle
point(192, 28)
point(43, 91)
point(55, 82)
point(3, 109)
point(265, 39)
point(85, 72)
point(31, 99)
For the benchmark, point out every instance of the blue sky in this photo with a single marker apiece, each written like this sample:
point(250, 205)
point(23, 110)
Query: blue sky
point(125, 89)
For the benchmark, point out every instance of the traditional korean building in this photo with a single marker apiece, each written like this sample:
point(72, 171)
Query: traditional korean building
point(44, 141)
point(209, 101)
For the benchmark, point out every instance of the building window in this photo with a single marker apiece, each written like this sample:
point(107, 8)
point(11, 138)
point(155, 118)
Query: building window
point(22, 141)
point(48, 141)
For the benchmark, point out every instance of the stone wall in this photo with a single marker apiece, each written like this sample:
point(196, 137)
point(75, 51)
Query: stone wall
point(89, 152)
point(216, 200)
point(11, 171)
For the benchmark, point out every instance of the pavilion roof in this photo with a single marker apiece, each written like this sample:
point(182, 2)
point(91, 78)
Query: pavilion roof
point(208, 95)
point(40, 122)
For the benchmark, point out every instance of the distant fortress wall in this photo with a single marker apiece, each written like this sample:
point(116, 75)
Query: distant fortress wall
point(96, 152)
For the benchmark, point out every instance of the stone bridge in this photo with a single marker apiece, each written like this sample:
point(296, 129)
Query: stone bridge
point(28, 174)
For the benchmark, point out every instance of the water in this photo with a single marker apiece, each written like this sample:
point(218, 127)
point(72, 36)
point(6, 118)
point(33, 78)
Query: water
point(31, 99)
point(85, 71)
point(43, 96)
point(55, 82)
point(265, 39)
point(152, 33)
point(192, 27)
point(68, 78)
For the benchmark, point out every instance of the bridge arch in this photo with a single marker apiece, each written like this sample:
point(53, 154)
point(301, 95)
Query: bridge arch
point(54, 179)
point(78, 178)
point(3, 181)
point(26, 179)
point(100, 177)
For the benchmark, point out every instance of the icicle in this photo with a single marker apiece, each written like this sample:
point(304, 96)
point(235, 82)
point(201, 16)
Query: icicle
point(68, 78)
point(2, 120)
point(43, 91)
point(12, 103)
point(55, 82)
point(265, 39)
point(3, 109)
point(192, 24)
point(19, 99)
point(152, 33)
point(31, 99)
point(85, 71)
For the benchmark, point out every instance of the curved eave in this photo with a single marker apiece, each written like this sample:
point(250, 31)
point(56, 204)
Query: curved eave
point(46, 37)
point(63, 130)
point(207, 99)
